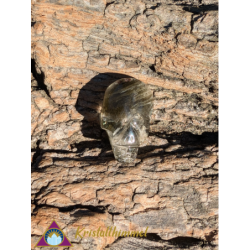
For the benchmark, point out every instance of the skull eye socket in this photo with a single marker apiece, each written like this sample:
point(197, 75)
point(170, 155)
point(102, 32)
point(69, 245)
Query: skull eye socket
point(108, 124)
point(137, 123)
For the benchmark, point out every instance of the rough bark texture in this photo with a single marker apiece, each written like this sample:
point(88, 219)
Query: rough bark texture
point(78, 49)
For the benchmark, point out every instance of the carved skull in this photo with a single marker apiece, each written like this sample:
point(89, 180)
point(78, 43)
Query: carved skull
point(125, 116)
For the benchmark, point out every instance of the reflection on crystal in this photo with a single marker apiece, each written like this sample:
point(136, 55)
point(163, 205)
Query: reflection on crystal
point(125, 116)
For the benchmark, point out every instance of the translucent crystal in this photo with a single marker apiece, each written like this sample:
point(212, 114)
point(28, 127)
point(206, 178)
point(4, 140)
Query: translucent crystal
point(125, 116)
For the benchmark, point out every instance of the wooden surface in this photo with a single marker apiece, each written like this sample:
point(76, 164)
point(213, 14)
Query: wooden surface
point(78, 49)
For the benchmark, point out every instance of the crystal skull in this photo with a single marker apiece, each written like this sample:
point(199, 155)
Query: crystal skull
point(125, 116)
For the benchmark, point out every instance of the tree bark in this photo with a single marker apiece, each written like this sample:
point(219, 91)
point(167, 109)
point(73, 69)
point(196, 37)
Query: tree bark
point(78, 49)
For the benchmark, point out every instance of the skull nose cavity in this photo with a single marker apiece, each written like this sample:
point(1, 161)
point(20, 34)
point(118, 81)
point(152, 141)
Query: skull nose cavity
point(130, 139)
point(126, 136)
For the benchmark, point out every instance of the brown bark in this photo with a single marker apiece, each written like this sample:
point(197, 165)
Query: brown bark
point(78, 49)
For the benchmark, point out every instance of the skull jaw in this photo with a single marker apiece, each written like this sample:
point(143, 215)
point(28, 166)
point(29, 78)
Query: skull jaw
point(125, 154)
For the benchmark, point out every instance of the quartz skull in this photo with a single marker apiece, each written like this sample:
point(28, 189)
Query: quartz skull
point(125, 116)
